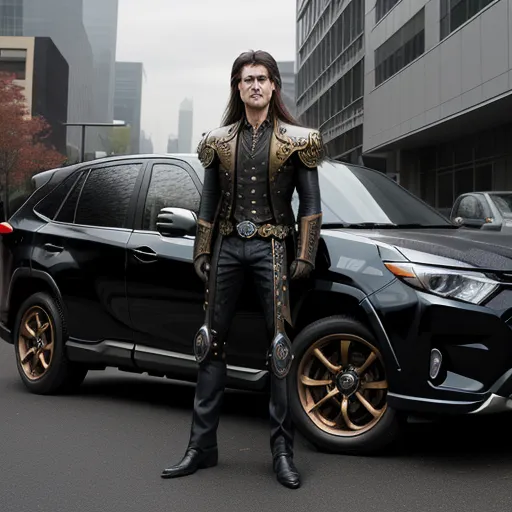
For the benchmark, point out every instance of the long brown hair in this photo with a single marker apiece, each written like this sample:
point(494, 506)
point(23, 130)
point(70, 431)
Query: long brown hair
point(235, 109)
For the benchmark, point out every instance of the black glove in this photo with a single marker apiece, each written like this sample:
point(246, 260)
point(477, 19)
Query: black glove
point(300, 269)
point(202, 267)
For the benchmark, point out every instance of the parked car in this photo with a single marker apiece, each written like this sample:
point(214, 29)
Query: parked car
point(404, 313)
point(484, 210)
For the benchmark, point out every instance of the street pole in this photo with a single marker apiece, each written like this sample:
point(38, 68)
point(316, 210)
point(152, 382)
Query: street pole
point(82, 147)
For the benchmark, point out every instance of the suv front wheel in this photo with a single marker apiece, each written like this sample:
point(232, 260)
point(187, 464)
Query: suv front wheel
point(339, 388)
point(39, 343)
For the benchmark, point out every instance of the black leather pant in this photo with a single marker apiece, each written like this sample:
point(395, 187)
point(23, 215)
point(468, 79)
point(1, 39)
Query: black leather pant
point(232, 258)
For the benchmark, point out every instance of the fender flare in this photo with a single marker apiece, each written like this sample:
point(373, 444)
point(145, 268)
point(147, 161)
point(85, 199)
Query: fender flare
point(26, 272)
point(366, 307)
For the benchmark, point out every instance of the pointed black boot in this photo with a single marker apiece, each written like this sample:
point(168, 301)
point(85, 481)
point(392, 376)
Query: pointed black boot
point(286, 472)
point(282, 434)
point(202, 447)
point(193, 460)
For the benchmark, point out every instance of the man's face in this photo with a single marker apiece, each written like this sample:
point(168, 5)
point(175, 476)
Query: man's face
point(255, 86)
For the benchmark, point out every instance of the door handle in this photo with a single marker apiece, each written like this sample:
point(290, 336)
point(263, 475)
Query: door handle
point(53, 248)
point(145, 255)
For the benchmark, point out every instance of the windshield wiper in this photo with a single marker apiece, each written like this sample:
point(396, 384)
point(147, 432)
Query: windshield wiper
point(385, 225)
point(360, 225)
point(427, 226)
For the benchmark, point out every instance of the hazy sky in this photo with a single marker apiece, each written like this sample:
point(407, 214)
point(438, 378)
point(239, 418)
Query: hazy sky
point(188, 48)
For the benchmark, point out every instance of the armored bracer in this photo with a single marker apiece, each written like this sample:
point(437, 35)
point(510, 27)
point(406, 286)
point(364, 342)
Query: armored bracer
point(203, 241)
point(309, 236)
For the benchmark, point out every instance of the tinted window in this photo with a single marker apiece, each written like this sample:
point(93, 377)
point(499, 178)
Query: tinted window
point(355, 194)
point(170, 185)
point(50, 204)
point(106, 196)
point(470, 208)
point(68, 209)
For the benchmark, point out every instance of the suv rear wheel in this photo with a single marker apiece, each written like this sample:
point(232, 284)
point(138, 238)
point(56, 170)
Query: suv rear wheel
point(339, 389)
point(39, 341)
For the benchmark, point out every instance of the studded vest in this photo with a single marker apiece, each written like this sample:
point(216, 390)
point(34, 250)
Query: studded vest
point(252, 194)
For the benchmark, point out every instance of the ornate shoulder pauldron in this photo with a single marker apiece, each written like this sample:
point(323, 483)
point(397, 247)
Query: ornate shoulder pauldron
point(218, 142)
point(305, 141)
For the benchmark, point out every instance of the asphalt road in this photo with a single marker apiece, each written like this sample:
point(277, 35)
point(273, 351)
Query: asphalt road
point(103, 449)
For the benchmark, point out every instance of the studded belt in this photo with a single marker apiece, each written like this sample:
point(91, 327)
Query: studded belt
point(248, 229)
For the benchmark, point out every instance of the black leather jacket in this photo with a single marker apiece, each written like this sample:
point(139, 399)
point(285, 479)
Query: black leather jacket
point(295, 153)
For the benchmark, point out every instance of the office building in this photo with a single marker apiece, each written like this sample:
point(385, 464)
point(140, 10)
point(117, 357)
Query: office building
point(438, 93)
point(128, 98)
point(60, 20)
point(288, 93)
point(146, 143)
point(172, 144)
point(330, 73)
point(43, 73)
point(100, 22)
point(185, 124)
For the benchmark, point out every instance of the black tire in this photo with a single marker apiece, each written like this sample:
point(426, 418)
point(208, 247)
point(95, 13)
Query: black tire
point(62, 375)
point(381, 435)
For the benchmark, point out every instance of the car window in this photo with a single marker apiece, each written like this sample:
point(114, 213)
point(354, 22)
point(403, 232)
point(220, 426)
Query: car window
point(170, 185)
point(67, 211)
point(470, 208)
point(106, 196)
point(50, 204)
point(503, 202)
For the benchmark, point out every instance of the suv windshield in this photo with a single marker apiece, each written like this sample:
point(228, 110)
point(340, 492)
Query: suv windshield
point(356, 195)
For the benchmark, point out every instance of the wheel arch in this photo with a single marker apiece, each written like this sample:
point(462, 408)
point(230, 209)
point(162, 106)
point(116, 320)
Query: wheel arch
point(344, 300)
point(25, 282)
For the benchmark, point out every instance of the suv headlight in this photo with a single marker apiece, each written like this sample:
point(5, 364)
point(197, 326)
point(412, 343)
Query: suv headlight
point(464, 285)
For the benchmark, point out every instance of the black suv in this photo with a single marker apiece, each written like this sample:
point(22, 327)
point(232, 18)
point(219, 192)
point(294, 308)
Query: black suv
point(405, 312)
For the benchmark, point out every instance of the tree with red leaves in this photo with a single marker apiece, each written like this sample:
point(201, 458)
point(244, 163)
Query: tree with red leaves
point(23, 151)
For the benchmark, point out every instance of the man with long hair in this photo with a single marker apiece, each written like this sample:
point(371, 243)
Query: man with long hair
point(253, 164)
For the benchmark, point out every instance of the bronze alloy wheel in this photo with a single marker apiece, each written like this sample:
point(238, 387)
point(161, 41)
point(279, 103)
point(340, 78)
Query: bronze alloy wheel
point(36, 342)
point(342, 385)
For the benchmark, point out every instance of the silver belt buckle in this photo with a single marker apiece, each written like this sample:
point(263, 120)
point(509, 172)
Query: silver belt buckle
point(246, 229)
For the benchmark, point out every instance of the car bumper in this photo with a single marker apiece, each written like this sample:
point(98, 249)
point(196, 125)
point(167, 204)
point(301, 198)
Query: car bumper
point(475, 343)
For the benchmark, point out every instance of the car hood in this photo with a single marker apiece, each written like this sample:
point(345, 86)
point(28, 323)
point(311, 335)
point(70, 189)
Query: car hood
point(457, 247)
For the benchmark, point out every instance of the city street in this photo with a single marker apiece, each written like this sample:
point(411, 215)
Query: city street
point(103, 449)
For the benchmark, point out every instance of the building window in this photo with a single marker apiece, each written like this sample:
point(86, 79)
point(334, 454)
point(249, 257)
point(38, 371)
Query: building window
point(13, 62)
point(347, 146)
point(455, 13)
point(383, 7)
point(400, 49)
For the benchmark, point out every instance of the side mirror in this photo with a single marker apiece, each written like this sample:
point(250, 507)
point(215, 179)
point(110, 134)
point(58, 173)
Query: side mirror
point(459, 221)
point(176, 222)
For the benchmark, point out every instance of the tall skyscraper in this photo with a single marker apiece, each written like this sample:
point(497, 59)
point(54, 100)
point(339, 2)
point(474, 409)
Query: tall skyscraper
point(128, 98)
point(60, 20)
point(146, 143)
point(185, 124)
point(287, 71)
point(172, 144)
point(100, 22)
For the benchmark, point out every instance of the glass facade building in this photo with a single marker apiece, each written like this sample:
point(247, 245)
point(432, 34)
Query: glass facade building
point(330, 76)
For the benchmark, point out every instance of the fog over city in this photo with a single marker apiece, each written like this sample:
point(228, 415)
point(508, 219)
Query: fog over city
point(187, 49)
